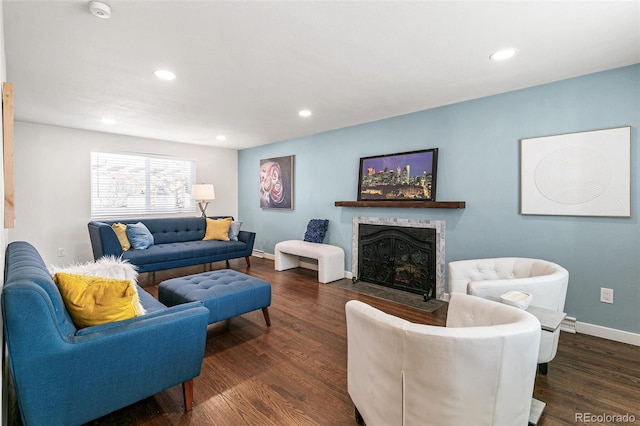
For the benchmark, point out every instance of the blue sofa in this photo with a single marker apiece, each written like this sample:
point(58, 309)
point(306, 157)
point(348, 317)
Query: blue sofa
point(177, 243)
point(66, 376)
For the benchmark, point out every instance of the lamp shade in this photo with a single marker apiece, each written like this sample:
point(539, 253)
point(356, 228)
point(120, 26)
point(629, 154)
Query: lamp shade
point(203, 191)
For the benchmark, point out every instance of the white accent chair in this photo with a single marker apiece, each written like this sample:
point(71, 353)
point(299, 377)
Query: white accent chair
point(546, 281)
point(478, 370)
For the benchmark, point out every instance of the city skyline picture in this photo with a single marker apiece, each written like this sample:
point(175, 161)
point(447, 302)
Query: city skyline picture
point(409, 176)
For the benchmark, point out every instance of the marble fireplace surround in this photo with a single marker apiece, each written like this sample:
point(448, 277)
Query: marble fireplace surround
point(438, 225)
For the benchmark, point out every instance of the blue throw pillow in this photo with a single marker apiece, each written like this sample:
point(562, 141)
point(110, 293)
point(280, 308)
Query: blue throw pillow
point(316, 230)
point(139, 236)
point(234, 229)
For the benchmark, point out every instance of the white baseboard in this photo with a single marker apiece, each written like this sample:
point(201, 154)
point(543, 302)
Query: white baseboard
point(262, 255)
point(608, 333)
point(309, 265)
point(314, 267)
point(303, 264)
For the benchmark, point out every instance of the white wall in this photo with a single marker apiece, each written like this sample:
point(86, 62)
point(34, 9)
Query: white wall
point(3, 238)
point(52, 183)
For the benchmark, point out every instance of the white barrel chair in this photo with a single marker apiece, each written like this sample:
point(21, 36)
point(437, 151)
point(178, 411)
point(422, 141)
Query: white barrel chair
point(478, 370)
point(546, 281)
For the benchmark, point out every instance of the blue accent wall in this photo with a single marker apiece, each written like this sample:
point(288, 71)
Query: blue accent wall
point(479, 162)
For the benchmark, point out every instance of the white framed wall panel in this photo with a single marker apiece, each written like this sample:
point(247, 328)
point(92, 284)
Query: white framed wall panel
point(577, 174)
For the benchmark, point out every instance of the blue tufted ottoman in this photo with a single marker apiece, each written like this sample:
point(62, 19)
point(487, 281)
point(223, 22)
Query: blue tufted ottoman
point(226, 293)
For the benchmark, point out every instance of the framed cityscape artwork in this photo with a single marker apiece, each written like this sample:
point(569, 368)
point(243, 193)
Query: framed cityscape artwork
point(577, 174)
point(405, 176)
point(276, 183)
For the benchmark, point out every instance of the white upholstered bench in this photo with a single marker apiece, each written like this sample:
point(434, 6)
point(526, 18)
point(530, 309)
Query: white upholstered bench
point(330, 258)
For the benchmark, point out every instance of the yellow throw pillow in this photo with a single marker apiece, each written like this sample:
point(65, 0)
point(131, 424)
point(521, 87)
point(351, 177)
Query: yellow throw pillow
point(121, 232)
point(217, 229)
point(97, 300)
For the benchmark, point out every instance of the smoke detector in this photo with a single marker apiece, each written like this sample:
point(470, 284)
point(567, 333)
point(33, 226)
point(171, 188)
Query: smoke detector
point(100, 9)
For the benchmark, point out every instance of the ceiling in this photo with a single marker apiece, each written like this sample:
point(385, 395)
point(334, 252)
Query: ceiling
point(244, 69)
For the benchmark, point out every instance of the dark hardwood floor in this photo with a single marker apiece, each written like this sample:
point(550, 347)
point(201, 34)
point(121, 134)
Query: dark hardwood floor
point(294, 372)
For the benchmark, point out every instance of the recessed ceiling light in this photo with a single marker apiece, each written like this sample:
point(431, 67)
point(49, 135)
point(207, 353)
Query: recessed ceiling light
point(304, 113)
point(164, 74)
point(108, 121)
point(503, 54)
point(221, 138)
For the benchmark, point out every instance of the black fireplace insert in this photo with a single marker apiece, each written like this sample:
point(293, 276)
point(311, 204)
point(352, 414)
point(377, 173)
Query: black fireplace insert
point(399, 257)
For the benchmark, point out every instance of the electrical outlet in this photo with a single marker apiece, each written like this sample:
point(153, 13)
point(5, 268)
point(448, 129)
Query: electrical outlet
point(61, 252)
point(606, 295)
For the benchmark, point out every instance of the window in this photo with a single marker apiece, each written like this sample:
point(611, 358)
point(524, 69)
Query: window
point(140, 184)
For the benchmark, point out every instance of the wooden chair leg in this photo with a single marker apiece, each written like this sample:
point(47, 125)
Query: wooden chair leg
point(248, 259)
point(265, 312)
point(187, 393)
point(227, 263)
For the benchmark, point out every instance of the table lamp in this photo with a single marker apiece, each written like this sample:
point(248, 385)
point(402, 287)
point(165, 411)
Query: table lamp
point(203, 193)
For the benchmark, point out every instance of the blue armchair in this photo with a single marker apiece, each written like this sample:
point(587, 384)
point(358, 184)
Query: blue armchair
point(66, 376)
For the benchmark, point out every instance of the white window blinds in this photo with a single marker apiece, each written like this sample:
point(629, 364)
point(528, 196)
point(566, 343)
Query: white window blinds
point(140, 184)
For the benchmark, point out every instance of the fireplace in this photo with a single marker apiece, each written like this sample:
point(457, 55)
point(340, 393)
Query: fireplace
point(400, 253)
point(398, 257)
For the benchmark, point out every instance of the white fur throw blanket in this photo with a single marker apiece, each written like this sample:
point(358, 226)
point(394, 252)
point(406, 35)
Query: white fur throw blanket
point(108, 267)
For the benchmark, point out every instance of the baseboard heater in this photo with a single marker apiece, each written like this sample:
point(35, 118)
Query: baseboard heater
point(568, 324)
